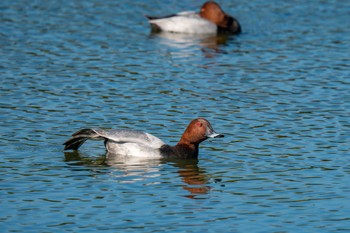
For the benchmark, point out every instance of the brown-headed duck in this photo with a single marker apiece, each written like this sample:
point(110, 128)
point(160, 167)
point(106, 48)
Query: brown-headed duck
point(211, 19)
point(141, 144)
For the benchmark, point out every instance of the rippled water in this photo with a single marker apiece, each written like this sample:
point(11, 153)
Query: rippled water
point(280, 92)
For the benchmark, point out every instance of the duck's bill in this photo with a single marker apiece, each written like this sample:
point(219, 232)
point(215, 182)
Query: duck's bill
point(213, 134)
point(216, 135)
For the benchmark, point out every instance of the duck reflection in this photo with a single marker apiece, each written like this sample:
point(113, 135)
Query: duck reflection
point(195, 179)
point(134, 168)
point(130, 169)
point(78, 158)
point(185, 41)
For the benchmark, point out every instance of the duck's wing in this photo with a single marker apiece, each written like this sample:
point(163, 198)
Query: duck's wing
point(133, 136)
point(118, 136)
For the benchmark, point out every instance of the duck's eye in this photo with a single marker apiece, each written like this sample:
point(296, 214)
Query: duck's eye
point(199, 124)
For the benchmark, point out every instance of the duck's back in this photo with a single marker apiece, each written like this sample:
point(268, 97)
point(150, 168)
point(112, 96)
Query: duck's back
point(130, 136)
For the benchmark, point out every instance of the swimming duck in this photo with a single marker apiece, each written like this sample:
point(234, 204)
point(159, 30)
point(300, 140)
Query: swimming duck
point(141, 144)
point(211, 19)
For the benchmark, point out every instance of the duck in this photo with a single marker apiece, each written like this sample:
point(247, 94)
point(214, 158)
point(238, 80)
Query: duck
point(135, 143)
point(210, 20)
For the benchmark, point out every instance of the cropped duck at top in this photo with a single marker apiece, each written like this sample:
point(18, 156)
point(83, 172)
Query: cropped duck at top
point(140, 144)
point(211, 19)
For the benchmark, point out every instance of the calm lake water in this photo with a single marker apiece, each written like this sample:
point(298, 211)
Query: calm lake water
point(280, 92)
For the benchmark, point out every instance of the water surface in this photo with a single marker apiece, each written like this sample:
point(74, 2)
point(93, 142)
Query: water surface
point(280, 92)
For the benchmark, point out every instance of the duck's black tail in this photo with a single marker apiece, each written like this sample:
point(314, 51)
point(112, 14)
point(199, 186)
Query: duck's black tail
point(79, 138)
point(157, 17)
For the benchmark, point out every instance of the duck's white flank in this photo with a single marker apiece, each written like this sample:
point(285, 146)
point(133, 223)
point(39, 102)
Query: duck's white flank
point(185, 22)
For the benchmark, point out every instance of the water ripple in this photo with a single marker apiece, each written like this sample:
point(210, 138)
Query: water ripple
point(279, 92)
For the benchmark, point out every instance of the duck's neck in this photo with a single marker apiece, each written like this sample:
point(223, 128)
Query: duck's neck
point(180, 151)
point(186, 147)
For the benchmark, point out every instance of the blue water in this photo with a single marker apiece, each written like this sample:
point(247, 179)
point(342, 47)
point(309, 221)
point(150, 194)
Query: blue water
point(280, 92)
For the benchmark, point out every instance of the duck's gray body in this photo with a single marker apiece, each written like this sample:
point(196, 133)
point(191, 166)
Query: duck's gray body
point(124, 142)
point(144, 145)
